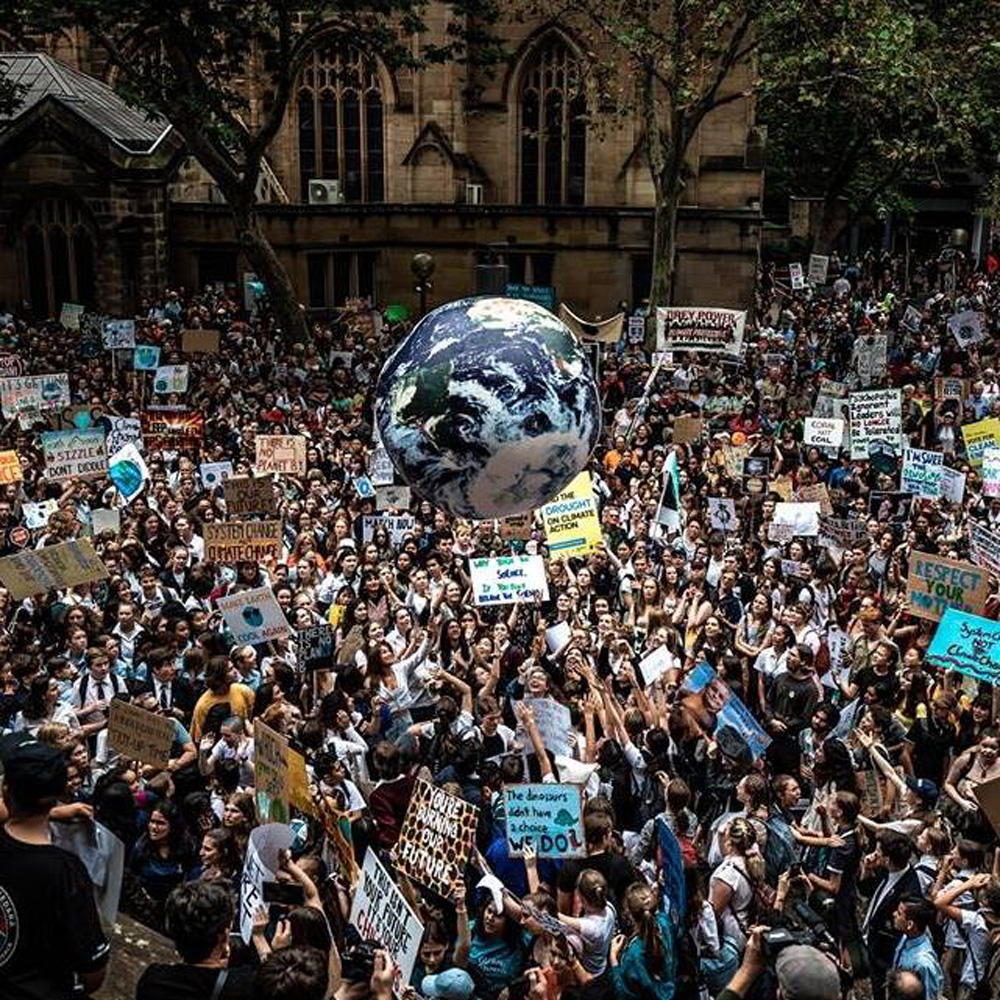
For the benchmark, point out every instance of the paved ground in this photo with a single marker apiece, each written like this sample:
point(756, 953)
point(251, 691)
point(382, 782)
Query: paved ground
point(133, 947)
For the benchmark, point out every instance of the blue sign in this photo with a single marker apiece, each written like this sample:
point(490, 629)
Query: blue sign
point(544, 295)
point(707, 698)
point(146, 358)
point(549, 817)
point(968, 644)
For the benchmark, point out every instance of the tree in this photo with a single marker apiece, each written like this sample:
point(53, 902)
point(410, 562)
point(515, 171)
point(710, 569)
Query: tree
point(191, 63)
point(865, 96)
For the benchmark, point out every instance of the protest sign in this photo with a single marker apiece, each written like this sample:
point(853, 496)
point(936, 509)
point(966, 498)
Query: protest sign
point(104, 519)
point(818, 266)
point(688, 328)
point(261, 864)
point(297, 788)
point(548, 817)
point(555, 724)
point(146, 357)
point(33, 394)
point(398, 497)
point(935, 584)
point(637, 330)
point(884, 505)
point(922, 472)
point(605, 331)
point(952, 485)
point(382, 471)
point(802, 518)
point(968, 644)
point(815, 493)
point(250, 495)
point(315, 645)
point(987, 794)
point(706, 697)
point(733, 458)
point(757, 465)
point(979, 436)
point(508, 579)
point(557, 636)
point(121, 431)
point(796, 276)
point(517, 527)
point(102, 855)
point(871, 352)
point(912, 318)
point(985, 546)
point(437, 835)
point(841, 532)
point(74, 453)
point(875, 416)
point(381, 914)
point(653, 665)
point(169, 428)
point(140, 735)
point(967, 327)
point(242, 541)
point(128, 471)
point(284, 454)
point(253, 616)
point(950, 388)
point(270, 773)
point(171, 378)
point(36, 571)
point(118, 334)
point(991, 472)
point(70, 313)
point(214, 474)
point(827, 433)
point(36, 515)
point(10, 468)
point(200, 341)
point(572, 526)
point(722, 513)
point(398, 526)
point(687, 429)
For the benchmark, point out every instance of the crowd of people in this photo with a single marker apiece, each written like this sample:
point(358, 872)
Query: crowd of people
point(842, 849)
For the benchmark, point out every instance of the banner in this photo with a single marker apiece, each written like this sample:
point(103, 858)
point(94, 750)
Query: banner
point(967, 327)
point(33, 394)
point(128, 472)
point(171, 378)
point(199, 341)
point(253, 616)
point(37, 571)
point(985, 546)
point(437, 836)
point(827, 433)
point(118, 334)
point(284, 454)
point(875, 416)
point(605, 331)
point(270, 768)
point(706, 697)
point(935, 584)
point(548, 817)
point(686, 328)
point(74, 453)
point(381, 914)
point(10, 468)
point(968, 644)
point(146, 357)
point(250, 495)
point(572, 527)
point(922, 472)
point(168, 429)
point(508, 579)
point(978, 437)
point(140, 735)
point(242, 541)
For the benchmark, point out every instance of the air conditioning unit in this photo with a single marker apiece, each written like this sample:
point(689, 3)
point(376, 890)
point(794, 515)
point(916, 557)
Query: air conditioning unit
point(325, 193)
point(473, 194)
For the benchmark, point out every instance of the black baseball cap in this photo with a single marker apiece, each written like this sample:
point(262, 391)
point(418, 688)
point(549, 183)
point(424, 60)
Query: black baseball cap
point(32, 770)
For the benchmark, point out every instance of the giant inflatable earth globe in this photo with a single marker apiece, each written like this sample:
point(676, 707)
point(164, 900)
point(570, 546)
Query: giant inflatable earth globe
point(488, 408)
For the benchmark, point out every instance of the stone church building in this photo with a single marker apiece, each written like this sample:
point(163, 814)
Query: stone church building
point(100, 204)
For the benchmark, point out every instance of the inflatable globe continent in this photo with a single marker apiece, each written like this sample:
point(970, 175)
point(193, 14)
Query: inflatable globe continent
point(488, 408)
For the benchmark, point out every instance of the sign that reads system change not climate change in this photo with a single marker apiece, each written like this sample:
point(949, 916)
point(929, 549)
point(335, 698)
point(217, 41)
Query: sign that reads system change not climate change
point(242, 541)
point(968, 644)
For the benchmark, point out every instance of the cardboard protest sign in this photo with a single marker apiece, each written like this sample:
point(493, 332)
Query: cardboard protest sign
point(253, 616)
point(260, 865)
point(687, 429)
point(967, 327)
point(128, 471)
point(555, 724)
point(802, 518)
point(270, 773)
point(381, 913)
point(167, 428)
point(689, 328)
point(950, 388)
point(517, 527)
point(572, 526)
point(985, 546)
point(33, 394)
point(979, 436)
point(875, 416)
point(140, 735)
point(242, 541)
point(815, 493)
point(935, 584)
point(968, 644)
point(437, 835)
point(827, 433)
point(284, 454)
point(118, 334)
point(200, 341)
point(74, 453)
point(214, 474)
point(171, 378)
point(508, 579)
point(250, 495)
point(10, 468)
point(987, 794)
point(37, 571)
point(146, 357)
point(706, 697)
point(548, 817)
point(818, 266)
point(315, 646)
point(922, 472)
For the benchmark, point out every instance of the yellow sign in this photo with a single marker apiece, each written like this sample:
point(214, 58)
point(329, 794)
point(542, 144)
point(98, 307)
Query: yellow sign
point(37, 571)
point(978, 437)
point(10, 467)
point(572, 527)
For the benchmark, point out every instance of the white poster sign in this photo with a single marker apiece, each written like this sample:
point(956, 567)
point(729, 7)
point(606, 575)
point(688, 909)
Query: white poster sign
point(508, 579)
point(254, 616)
point(875, 416)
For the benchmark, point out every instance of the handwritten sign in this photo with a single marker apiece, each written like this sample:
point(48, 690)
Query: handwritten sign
point(985, 546)
point(508, 579)
point(200, 341)
point(140, 735)
point(935, 584)
point(315, 646)
point(821, 432)
point(250, 495)
point(548, 817)
point(242, 541)
point(270, 773)
point(253, 616)
point(74, 453)
point(922, 472)
point(875, 416)
point(284, 454)
point(171, 378)
point(37, 571)
point(554, 722)
point(398, 526)
point(10, 468)
point(968, 644)
point(517, 527)
point(33, 394)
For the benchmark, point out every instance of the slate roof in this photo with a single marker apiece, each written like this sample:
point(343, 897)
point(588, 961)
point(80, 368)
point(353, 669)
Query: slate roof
point(44, 77)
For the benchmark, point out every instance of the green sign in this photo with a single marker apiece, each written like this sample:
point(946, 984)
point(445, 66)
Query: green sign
point(544, 295)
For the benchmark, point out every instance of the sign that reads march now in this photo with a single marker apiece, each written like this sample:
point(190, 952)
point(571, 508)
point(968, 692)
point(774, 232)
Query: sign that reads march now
point(508, 579)
point(968, 644)
point(572, 527)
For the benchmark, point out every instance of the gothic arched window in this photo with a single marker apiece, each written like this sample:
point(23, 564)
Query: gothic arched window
point(341, 131)
point(59, 255)
point(553, 127)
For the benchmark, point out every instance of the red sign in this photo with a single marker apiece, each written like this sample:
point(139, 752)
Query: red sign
point(10, 366)
point(19, 536)
point(165, 429)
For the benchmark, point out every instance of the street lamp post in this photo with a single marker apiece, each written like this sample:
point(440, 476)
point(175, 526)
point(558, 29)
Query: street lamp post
point(422, 266)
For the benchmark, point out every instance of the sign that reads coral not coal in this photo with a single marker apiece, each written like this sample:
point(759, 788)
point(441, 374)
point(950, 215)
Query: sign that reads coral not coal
point(508, 579)
point(935, 584)
point(548, 817)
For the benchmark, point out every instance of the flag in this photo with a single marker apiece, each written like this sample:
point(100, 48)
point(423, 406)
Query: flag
point(669, 511)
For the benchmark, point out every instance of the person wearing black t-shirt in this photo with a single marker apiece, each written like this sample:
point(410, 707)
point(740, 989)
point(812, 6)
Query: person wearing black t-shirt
point(618, 871)
point(50, 931)
point(198, 916)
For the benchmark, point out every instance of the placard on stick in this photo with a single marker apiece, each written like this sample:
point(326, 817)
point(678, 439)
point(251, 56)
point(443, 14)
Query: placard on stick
point(140, 735)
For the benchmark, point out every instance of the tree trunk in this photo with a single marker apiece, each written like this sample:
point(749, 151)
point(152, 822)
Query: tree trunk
point(664, 254)
point(281, 294)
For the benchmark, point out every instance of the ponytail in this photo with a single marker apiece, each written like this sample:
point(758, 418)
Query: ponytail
point(640, 902)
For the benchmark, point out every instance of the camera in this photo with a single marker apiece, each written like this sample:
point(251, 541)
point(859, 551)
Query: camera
point(358, 962)
point(804, 926)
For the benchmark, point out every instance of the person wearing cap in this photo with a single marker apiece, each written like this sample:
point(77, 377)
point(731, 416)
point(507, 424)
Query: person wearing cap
point(452, 984)
point(50, 931)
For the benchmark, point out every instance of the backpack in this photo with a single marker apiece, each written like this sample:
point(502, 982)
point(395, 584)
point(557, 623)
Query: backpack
point(779, 850)
point(116, 685)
